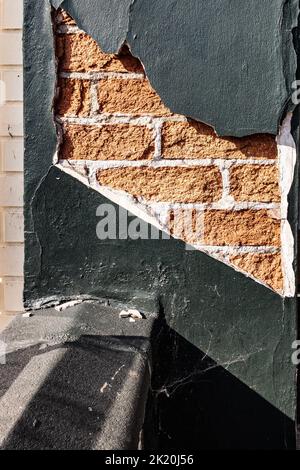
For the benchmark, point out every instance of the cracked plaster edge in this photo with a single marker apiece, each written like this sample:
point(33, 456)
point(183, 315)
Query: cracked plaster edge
point(287, 156)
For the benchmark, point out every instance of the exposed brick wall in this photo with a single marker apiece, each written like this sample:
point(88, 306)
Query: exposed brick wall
point(110, 114)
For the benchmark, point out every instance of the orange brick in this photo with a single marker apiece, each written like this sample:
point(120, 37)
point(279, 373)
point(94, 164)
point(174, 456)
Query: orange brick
point(264, 267)
point(186, 224)
point(171, 184)
point(196, 140)
point(108, 142)
point(132, 96)
point(73, 97)
point(255, 183)
point(247, 227)
point(80, 53)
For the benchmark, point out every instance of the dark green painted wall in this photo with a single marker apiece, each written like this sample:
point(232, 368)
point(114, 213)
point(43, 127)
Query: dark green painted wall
point(231, 63)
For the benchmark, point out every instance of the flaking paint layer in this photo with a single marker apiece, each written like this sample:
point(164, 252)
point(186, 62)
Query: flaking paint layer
point(240, 93)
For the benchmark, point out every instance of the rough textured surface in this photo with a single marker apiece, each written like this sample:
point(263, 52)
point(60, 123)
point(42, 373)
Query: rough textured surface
point(204, 302)
point(246, 227)
point(238, 94)
point(201, 184)
point(80, 53)
point(68, 376)
point(265, 267)
point(255, 183)
point(74, 97)
point(108, 142)
point(197, 140)
point(130, 97)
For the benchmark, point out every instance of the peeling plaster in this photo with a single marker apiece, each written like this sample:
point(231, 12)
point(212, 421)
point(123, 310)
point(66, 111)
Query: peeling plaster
point(240, 93)
point(156, 214)
point(287, 162)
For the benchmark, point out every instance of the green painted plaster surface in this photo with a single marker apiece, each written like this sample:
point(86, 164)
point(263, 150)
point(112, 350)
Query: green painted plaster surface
point(230, 63)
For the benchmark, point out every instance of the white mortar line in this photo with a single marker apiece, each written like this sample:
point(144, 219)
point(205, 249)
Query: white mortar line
point(105, 119)
point(158, 139)
point(68, 29)
point(118, 118)
point(221, 205)
point(225, 173)
point(287, 161)
point(100, 164)
point(232, 250)
point(95, 105)
point(102, 75)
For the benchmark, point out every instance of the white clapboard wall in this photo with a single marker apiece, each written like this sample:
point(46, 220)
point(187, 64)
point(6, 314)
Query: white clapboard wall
point(11, 159)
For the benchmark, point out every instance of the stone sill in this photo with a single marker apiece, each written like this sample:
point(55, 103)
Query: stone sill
point(75, 379)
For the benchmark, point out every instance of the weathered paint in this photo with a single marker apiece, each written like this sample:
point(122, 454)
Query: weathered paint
point(226, 323)
point(237, 57)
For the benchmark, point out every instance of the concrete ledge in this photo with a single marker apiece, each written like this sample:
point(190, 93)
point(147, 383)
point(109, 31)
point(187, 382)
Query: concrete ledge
point(76, 379)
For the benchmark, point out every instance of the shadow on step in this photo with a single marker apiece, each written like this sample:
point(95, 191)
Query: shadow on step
point(89, 394)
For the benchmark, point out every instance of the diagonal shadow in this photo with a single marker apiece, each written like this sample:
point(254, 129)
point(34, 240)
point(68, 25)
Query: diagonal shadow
point(198, 404)
point(216, 310)
point(77, 404)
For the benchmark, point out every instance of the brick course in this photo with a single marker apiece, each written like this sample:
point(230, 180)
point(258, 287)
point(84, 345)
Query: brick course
point(255, 183)
point(238, 228)
point(173, 184)
point(131, 96)
point(107, 142)
point(196, 140)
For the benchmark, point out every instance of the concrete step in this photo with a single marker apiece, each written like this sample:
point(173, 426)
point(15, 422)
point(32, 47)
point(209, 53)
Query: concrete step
point(77, 379)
